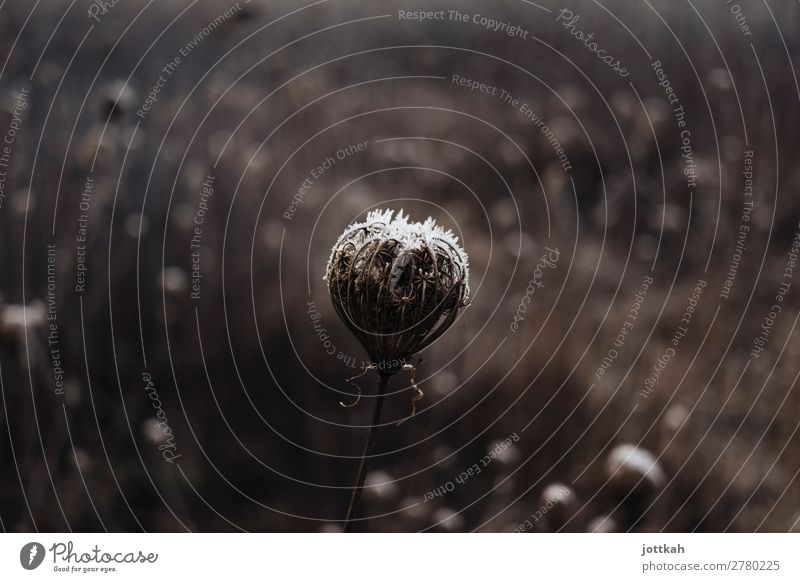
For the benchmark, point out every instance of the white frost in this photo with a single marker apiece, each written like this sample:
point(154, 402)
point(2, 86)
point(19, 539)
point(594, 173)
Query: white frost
point(385, 225)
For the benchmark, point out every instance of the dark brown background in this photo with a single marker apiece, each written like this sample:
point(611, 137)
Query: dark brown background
point(259, 428)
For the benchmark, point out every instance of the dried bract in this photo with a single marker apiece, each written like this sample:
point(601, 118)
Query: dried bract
point(397, 285)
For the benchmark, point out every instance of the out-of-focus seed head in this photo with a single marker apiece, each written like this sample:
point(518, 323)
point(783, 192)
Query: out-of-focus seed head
point(73, 393)
point(675, 417)
point(632, 468)
point(152, 431)
point(174, 281)
point(15, 320)
point(448, 520)
point(397, 285)
point(22, 328)
point(380, 485)
point(557, 504)
point(81, 459)
point(602, 524)
point(507, 454)
point(117, 99)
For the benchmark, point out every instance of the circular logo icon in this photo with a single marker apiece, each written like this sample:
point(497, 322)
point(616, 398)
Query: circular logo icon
point(31, 555)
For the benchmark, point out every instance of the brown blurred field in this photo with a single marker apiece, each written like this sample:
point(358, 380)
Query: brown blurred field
point(251, 390)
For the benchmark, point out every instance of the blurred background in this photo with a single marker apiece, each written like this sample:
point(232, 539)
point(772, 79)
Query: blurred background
point(175, 174)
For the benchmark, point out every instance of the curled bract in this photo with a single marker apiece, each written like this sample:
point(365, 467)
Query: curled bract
point(397, 285)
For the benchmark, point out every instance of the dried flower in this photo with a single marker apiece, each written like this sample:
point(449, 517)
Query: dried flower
point(22, 327)
point(602, 524)
point(381, 486)
point(630, 467)
point(117, 100)
point(447, 520)
point(397, 285)
point(558, 503)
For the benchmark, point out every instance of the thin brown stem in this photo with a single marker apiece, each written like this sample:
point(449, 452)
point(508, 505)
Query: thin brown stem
point(383, 381)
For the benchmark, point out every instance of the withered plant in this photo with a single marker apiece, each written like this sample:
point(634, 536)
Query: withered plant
point(398, 286)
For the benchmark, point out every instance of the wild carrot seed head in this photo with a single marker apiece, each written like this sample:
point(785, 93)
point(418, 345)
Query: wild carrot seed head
point(397, 285)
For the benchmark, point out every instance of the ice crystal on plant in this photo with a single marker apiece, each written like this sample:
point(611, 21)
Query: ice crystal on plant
point(398, 285)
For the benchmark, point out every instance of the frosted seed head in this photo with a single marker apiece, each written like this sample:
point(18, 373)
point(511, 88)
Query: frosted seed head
point(557, 504)
point(630, 467)
point(380, 485)
point(448, 520)
point(602, 524)
point(397, 285)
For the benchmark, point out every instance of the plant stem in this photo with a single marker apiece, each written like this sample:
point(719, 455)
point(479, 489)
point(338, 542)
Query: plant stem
point(383, 381)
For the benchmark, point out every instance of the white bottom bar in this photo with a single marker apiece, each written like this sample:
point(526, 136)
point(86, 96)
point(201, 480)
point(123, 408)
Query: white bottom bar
point(401, 557)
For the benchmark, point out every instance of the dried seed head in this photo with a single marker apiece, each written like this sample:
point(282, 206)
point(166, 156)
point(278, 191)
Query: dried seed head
point(380, 485)
point(633, 468)
point(174, 281)
point(117, 100)
point(558, 504)
point(22, 327)
point(397, 285)
point(15, 320)
point(675, 417)
point(81, 459)
point(602, 524)
point(414, 510)
point(448, 520)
